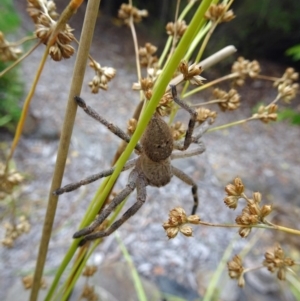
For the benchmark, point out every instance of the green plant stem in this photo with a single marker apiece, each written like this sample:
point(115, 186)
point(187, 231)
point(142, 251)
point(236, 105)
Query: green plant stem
point(135, 276)
point(227, 125)
point(77, 80)
point(210, 84)
point(213, 283)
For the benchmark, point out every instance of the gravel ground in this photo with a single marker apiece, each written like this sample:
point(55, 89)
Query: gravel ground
point(265, 156)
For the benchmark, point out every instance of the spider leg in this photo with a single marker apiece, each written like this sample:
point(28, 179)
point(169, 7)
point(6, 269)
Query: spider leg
point(93, 178)
point(188, 136)
point(113, 128)
point(195, 138)
point(188, 180)
point(141, 197)
point(190, 152)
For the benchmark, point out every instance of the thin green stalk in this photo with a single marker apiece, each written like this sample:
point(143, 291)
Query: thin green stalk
point(78, 75)
point(135, 276)
point(213, 283)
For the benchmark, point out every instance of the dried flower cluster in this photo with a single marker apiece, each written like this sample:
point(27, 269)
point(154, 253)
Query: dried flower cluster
point(234, 193)
point(89, 271)
point(243, 68)
point(28, 281)
point(127, 11)
point(89, 293)
point(178, 223)
point(228, 100)
point(8, 52)
point(147, 57)
point(218, 13)
point(236, 270)
point(266, 113)
point(191, 73)
point(8, 180)
point(177, 28)
point(253, 213)
point(14, 231)
point(43, 14)
point(178, 130)
point(102, 76)
point(289, 77)
point(204, 114)
point(131, 125)
point(277, 262)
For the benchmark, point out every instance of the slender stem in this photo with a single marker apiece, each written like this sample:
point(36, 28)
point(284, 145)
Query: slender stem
point(26, 105)
point(20, 59)
point(136, 46)
point(281, 228)
point(78, 74)
point(207, 103)
point(227, 125)
point(266, 77)
point(175, 37)
point(214, 82)
point(23, 40)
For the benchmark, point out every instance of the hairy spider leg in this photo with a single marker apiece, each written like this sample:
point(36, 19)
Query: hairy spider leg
point(93, 178)
point(135, 181)
point(113, 128)
point(188, 180)
point(188, 136)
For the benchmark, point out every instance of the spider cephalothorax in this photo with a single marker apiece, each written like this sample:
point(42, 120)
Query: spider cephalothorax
point(152, 167)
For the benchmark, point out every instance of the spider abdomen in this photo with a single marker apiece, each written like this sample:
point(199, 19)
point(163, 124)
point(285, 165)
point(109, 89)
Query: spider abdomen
point(157, 173)
point(157, 140)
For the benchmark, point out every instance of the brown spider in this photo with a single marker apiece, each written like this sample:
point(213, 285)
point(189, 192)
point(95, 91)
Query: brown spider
point(152, 167)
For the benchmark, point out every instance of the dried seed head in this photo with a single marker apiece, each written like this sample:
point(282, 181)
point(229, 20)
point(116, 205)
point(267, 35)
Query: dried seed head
point(244, 231)
point(28, 281)
point(266, 210)
point(131, 125)
point(289, 77)
point(266, 114)
point(191, 73)
point(178, 130)
point(171, 231)
point(127, 11)
point(257, 197)
point(204, 114)
point(147, 57)
point(165, 105)
point(276, 261)
point(37, 7)
point(9, 180)
point(235, 189)
point(236, 270)
point(219, 13)
point(288, 91)
point(228, 101)
point(178, 28)
point(178, 223)
point(43, 14)
point(186, 230)
point(193, 219)
point(89, 293)
point(8, 52)
point(102, 76)
point(244, 68)
point(89, 270)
